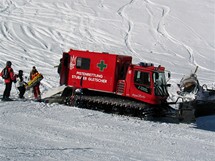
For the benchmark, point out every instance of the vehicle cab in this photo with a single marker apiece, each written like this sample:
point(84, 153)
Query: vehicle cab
point(146, 83)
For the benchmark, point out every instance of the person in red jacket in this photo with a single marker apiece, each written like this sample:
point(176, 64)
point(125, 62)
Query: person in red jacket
point(8, 81)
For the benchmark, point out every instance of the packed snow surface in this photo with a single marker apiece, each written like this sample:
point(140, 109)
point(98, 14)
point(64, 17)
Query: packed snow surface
point(177, 34)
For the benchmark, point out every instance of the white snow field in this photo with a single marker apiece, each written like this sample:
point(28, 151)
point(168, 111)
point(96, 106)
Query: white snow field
point(178, 34)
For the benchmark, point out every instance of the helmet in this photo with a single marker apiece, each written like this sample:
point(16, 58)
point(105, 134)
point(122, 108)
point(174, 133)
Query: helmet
point(8, 63)
point(20, 72)
point(34, 70)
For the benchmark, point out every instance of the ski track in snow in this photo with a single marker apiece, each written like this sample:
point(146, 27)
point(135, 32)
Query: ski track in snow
point(195, 33)
point(35, 29)
point(129, 23)
point(162, 30)
point(156, 33)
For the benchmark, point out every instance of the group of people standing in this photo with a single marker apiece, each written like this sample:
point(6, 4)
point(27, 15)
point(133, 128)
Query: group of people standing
point(9, 77)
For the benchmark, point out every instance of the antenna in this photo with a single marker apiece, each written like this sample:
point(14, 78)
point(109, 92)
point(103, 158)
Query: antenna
point(196, 69)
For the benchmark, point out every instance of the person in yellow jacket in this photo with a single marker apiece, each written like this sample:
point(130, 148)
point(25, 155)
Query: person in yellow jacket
point(36, 88)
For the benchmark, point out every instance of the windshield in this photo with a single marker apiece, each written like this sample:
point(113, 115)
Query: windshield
point(160, 84)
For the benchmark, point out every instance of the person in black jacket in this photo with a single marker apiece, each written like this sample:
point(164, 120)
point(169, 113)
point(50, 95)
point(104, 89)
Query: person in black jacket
point(59, 66)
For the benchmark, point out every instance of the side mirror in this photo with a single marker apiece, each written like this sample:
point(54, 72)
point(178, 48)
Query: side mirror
point(168, 75)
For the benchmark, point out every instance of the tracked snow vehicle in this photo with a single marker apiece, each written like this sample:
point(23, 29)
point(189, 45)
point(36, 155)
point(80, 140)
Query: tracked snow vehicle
point(115, 74)
point(112, 83)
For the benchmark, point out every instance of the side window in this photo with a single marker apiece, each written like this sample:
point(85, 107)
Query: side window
point(142, 81)
point(142, 78)
point(83, 63)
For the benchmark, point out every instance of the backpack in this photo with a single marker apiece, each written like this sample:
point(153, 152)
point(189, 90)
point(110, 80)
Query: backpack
point(5, 73)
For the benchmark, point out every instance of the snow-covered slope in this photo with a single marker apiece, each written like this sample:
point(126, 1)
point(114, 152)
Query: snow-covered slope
point(37, 131)
point(177, 34)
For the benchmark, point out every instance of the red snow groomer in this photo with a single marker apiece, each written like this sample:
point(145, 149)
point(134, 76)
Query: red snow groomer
point(112, 82)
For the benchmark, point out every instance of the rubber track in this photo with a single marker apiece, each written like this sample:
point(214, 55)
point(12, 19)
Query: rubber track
point(120, 106)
